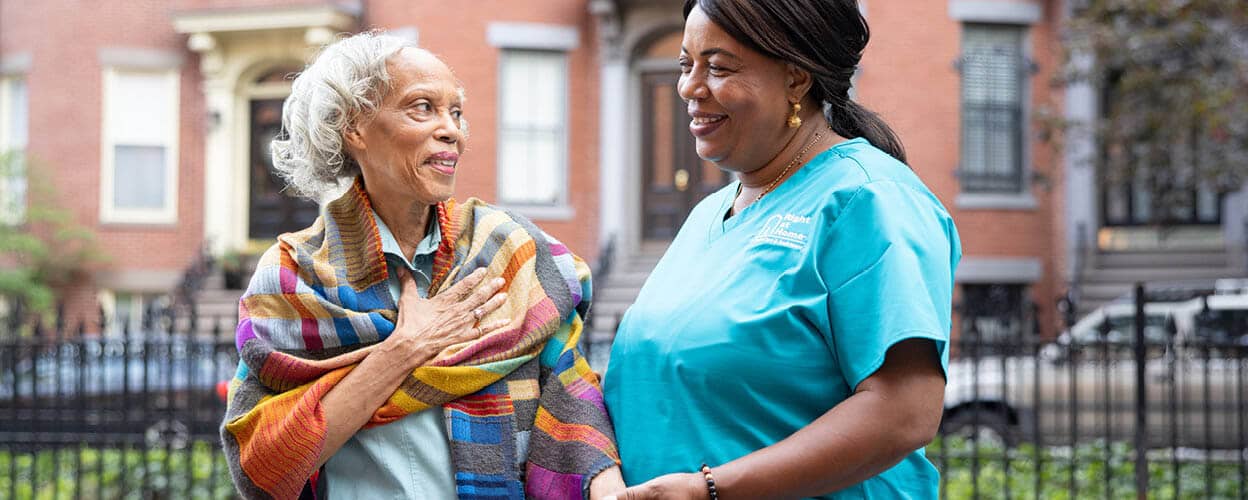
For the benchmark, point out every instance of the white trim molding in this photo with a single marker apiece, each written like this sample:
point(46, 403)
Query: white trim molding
point(15, 64)
point(532, 36)
point(138, 280)
point(999, 270)
point(409, 33)
point(140, 58)
point(996, 11)
point(995, 201)
point(333, 17)
point(551, 213)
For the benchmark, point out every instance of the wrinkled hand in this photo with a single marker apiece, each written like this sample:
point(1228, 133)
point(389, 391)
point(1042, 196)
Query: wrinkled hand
point(686, 486)
point(427, 326)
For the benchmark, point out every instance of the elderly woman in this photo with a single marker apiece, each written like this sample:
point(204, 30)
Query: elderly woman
point(405, 346)
point(792, 340)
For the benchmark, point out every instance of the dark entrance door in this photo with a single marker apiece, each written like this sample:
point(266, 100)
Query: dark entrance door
point(272, 211)
point(674, 178)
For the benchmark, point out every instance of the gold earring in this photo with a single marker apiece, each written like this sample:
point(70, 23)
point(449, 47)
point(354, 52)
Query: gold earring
point(794, 120)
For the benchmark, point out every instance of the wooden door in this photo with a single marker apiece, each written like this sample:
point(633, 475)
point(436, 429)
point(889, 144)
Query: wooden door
point(273, 212)
point(674, 178)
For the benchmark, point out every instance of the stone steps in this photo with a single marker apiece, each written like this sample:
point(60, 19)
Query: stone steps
point(1112, 275)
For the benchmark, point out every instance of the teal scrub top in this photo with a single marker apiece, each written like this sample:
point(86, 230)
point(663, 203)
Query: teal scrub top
point(752, 327)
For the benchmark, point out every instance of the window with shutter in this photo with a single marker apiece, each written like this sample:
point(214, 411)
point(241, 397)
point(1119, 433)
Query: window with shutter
point(992, 67)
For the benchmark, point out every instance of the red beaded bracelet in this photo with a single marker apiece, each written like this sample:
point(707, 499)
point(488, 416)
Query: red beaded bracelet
point(710, 481)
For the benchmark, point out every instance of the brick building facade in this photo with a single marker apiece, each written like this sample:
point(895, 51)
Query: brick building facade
point(573, 118)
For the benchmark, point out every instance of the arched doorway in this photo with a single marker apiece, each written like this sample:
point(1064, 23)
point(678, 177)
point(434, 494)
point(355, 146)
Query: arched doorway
point(271, 211)
point(674, 179)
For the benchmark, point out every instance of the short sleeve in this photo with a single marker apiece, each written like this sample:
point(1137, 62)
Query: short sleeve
point(887, 262)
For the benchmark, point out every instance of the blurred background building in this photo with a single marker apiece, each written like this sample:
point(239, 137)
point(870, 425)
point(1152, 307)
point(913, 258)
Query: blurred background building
point(152, 119)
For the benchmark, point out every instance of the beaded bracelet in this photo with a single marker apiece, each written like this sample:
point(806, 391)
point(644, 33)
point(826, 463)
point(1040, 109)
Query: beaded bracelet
point(710, 481)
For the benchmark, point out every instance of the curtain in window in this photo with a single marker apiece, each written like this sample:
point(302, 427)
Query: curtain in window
point(532, 157)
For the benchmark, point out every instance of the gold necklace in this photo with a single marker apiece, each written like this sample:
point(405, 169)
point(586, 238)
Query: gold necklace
point(788, 167)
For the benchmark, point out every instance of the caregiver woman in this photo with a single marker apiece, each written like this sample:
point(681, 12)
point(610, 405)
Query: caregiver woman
point(792, 340)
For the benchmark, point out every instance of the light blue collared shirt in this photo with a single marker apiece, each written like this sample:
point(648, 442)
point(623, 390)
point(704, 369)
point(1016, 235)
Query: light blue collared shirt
point(410, 458)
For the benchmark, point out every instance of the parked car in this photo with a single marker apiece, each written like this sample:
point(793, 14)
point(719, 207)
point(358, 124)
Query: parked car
point(159, 388)
point(1083, 385)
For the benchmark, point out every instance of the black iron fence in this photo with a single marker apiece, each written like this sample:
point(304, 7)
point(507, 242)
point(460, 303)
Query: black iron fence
point(1145, 398)
point(129, 415)
point(1141, 399)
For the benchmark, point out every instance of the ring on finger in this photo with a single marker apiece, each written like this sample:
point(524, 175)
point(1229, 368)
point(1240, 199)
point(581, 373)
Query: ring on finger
point(478, 313)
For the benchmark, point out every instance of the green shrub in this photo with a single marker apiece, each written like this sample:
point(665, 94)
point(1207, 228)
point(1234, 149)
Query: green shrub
point(198, 472)
point(1098, 470)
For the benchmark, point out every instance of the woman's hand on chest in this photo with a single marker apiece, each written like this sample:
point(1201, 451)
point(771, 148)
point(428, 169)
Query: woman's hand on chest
point(427, 326)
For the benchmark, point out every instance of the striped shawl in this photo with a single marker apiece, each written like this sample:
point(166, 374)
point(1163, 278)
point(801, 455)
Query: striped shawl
point(524, 411)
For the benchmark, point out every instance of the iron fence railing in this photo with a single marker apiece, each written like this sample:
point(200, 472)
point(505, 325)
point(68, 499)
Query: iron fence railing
point(1137, 400)
point(136, 414)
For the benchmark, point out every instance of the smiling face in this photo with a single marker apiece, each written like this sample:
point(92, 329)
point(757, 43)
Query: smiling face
point(409, 149)
point(737, 97)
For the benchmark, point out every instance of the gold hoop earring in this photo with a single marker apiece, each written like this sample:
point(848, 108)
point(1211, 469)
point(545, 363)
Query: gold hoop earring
point(794, 120)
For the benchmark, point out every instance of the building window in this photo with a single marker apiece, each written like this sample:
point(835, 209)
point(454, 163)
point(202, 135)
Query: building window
point(134, 313)
point(14, 131)
point(993, 68)
point(532, 145)
point(1131, 184)
point(140, 147)
point(996, 316)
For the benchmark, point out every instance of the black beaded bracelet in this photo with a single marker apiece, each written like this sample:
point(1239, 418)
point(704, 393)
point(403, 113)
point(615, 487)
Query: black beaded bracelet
point(710, 481)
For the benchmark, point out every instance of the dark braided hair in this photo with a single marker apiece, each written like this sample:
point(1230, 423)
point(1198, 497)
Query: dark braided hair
point(824, 37)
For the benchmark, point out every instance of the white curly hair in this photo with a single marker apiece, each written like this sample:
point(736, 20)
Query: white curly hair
point(345, 83)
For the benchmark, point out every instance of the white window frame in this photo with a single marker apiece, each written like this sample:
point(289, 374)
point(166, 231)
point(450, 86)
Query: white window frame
point(511, 37)
point(109, 212)
point(561, 167)
point(6, 107)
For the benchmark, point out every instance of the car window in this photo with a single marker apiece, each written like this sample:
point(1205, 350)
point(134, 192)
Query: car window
point(1158, 329)
point(1221, 326)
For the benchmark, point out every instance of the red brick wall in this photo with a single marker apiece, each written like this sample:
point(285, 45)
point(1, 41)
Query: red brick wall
point(909, 77)
point(63, 39)
point(66, 107)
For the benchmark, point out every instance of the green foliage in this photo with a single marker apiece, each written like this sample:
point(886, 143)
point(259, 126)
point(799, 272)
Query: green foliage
point(198, 473)
point(1174, 81)
point(1098, 470)
point(231, 261)
point(44, 249)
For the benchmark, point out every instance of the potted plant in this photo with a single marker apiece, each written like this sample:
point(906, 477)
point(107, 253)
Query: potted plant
point(232, 268)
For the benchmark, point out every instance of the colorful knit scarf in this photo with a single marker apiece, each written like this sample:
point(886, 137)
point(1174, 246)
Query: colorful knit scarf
point(319, 300)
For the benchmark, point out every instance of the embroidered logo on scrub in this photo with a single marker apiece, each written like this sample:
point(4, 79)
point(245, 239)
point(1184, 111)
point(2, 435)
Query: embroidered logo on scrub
point(786, 230)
